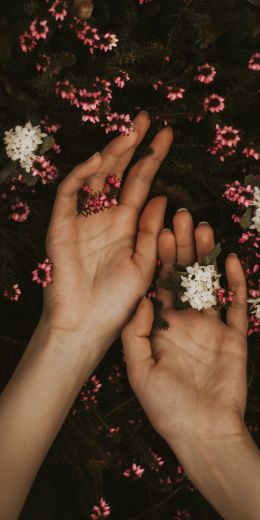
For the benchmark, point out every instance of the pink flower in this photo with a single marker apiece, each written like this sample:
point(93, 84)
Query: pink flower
point(251, 152)
point(110, 41)
point(103, 510)
point(51, 128)
point(225, 297)
point(182, 514)
point(174, 94)
point(158, 84)
point(89, 391)
point(156, 461)
point(214, 103)
point(242, 195)
point(121, 79)
point(43, 273)
point(13, 293)
point(135, 471)
point(254, 61)
point(227, 136)
point(21, 211)
point(27, 42)
point(44, 63)
point(43, 167)
point(206, 73)
point(39, 29)
point(58, 10)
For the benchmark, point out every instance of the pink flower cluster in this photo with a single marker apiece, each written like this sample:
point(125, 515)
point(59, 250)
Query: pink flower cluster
point(90, 37)
point(121, 79)
point(58, 10)
point(251, 152)
point(102, 510)
point(206, 73)
point(254, 61)
point(20, 212)
point(214, 103)
point(43, 273)
point(93, 202)
point(135, 472)
point(38, 30)
point(13, 293)
point(226, 140)
point(182, 514)
point(156, 461)
point(93, 102)
point(44, 169)
point(236, 192)
point(43, 63)
point(89, 391)
point(174, 94)
point(51, 128)
point(225, 296)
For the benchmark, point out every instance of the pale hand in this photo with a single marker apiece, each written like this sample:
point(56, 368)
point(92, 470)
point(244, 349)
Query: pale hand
point(190, 379)
point(104, 263)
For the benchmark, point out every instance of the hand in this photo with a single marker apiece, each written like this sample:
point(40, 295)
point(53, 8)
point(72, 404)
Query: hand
point(102, 264)
point(190, 379)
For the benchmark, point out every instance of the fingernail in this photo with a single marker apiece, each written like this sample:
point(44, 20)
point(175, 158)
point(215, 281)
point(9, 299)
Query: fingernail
point(232, 254)
point(181, 209)
point(144, 112)
point(95, 154)
point(166, 229)
point(203, 222)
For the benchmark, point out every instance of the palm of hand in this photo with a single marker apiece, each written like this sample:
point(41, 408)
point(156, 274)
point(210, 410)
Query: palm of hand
point(201, 373)
point(104, 263)
point(191, 378)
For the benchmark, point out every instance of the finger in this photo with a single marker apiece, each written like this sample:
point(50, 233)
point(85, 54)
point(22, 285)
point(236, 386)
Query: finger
point(137, 346)
point(65, 205)
point(151, 223)
point(205, 241)
point(184, 237)
point(140, 176)
point(118, 153)
point(237, 311)
point(167, 255)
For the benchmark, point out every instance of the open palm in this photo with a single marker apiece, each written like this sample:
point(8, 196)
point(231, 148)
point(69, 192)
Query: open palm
point(104, 263)
point(190, 379)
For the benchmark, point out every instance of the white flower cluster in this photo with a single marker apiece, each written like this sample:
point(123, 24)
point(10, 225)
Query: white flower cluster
point(255, 308)
point(201, 284)
point(256, 202)
point(21, 143)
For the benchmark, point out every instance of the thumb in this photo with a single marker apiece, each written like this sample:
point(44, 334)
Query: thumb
point(137, 346)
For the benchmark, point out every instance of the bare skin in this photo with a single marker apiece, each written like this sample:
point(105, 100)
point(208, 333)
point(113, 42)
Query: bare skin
point(103, 264)
point(191, 379)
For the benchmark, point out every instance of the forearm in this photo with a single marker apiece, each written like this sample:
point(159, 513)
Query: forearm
point(33, 408)
point(227, 473)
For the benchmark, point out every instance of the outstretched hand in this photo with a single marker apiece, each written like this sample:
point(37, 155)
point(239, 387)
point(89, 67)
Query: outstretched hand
point(191, 378)
point(104, 263)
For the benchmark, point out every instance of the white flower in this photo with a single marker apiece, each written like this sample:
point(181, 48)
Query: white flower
point(256, 203)
point(201, 284)
point(255, 307)
point(21, 143)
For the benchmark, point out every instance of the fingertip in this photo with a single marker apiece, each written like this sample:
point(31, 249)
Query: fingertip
point(166, 246)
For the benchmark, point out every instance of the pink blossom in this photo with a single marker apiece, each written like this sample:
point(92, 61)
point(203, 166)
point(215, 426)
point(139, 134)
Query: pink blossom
point(225, 297)
point(58, 10)
point(51, 128)
point(156, 461)
point(21, 211)
point(254, 325)
point(102, 510)
point(27, 42)
point(39, 29)
point(134, 472)
point(242, 195)
point(227, 136)
point(254, 61)
point(182, 514)
point(206, 73)
point(174, 94)
point(44, 63)
point(88, 392)
point(214, 103)
point(121, 79)
point(158, 84)
point(43, 273)
point(251, 152)
point(13, 293)
point(43, 168)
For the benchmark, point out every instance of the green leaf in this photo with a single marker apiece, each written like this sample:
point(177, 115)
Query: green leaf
point(171, 283)
point(48, 143)
point(8, 172)
point(252, 180)
point(210, 257)
point(246, 219)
